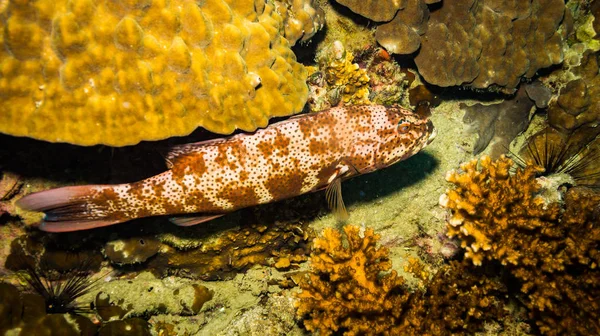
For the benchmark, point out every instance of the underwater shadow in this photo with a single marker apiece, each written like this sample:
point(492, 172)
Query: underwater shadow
point(367, 188)
point(97, 164)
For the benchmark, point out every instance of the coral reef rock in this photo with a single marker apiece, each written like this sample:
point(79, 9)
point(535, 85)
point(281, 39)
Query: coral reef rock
point(146, 294)
point(131, 250)
point(25, 314)
point(481, 43)
point(222, 256)
point(498, 124)
point(579, 101)
point(116, 73)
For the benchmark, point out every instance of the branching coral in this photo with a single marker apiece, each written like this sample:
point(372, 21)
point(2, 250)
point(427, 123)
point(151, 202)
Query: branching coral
point(550, 248)
point(349, 292)
point(458, 299)
point(345, 291)
point(492, 210)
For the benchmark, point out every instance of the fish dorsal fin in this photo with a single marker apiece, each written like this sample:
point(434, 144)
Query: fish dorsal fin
point(179, 151)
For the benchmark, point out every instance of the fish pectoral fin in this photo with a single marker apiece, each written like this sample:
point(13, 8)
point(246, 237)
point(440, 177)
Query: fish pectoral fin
point(193, 220)
point(333, 193)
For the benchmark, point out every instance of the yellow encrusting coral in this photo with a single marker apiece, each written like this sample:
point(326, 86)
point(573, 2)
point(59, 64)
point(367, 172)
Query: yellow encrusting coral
point(342, 75)
point(116, 73)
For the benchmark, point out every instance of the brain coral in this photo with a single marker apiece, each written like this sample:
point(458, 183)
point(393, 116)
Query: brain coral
point(118, 72)
point(486, 42)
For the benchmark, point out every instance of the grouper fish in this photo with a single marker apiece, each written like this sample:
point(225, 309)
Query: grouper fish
point(207, 179)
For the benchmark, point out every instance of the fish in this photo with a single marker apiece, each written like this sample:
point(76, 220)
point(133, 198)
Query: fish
point(205, 180)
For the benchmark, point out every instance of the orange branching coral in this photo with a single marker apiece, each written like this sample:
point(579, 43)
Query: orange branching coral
point(551, 248)
point(493, 210)
point(345, 291)
point(457, 300)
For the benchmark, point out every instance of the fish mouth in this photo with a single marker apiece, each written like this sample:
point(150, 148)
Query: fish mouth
point(432, 132)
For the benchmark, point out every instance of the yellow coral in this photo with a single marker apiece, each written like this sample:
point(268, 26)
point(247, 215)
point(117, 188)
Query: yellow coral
point(346, 292)
point(118, 72)
point(301, 19)
point(343, 75)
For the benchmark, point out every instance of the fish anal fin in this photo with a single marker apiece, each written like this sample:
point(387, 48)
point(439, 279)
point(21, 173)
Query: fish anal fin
point(192, 220)
point(75, 225)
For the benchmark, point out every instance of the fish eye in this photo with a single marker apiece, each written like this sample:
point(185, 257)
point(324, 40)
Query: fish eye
point(403, 126)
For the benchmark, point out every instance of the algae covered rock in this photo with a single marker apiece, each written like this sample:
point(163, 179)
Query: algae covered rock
point(116, 73)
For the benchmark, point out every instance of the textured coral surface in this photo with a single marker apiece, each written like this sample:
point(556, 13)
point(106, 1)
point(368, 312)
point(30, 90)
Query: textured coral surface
point(117, 72)
point(578, 103)
point(402, 34)
point(550, 248)
point(350, 292)
point(484, 42)
point(345, 291)
point(491, 209)
point(301, 19)
point(376, 10)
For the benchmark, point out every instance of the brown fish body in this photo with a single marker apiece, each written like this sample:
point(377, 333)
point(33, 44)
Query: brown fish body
point(286, 159)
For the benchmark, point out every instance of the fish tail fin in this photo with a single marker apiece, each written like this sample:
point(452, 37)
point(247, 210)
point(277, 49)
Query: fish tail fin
point(69, 208)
